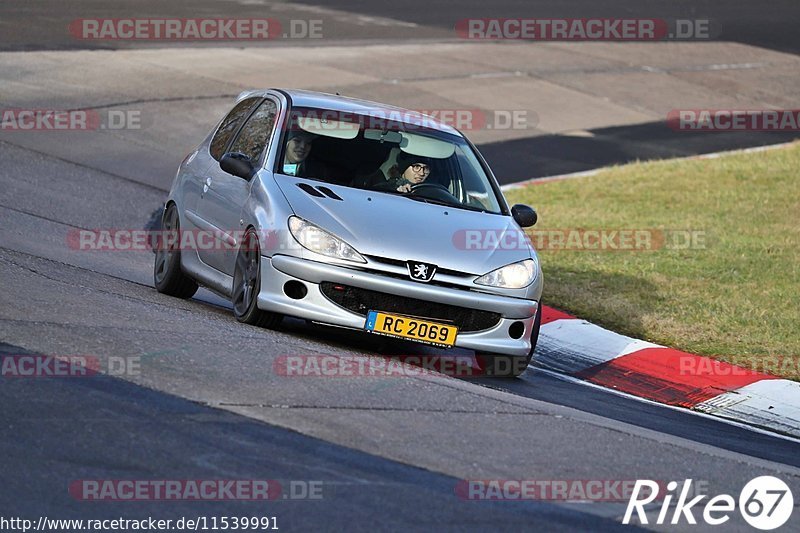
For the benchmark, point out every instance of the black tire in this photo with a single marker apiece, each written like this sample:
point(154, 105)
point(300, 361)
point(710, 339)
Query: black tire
point(247, 285)
point(511, 366)
point(167, 274)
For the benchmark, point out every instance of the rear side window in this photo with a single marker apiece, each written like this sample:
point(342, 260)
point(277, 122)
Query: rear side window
point(229, 126)
point(256, 132)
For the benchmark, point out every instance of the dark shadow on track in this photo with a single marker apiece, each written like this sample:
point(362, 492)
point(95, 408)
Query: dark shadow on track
point(549, 155)
point(541, 386)
point(61, 430)
point(43, 25)
point(740, 21)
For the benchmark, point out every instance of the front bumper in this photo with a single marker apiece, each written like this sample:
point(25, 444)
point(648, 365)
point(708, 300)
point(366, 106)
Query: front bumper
point(279, 269)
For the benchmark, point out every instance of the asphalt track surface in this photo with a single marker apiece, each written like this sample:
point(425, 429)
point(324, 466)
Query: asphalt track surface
point(207, 404)
point(109, 429)
point(418, 435)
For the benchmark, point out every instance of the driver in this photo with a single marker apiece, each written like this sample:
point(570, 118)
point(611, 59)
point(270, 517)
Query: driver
point(410, 170)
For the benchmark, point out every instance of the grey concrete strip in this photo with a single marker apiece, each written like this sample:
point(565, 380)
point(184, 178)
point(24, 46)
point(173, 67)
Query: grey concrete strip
point(557, 88)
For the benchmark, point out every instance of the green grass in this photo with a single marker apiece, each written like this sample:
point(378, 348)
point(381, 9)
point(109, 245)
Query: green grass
point(735, 299)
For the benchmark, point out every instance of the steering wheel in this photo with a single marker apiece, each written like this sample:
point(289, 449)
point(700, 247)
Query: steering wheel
point(434, 191)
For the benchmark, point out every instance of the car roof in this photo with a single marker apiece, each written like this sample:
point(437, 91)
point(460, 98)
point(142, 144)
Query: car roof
point(345, 104)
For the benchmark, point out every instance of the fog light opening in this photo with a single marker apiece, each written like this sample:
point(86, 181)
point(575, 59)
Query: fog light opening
point(295, 290)
point(516, 330)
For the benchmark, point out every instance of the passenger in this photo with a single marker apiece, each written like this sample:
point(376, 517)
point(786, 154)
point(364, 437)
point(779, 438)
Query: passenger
point(296, 161)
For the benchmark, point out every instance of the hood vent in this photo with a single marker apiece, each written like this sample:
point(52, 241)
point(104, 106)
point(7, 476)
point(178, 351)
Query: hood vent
point(310, 190)
point(319, 192)
point(329, 193)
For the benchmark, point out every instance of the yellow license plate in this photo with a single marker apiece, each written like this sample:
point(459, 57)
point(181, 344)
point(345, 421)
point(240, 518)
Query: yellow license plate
point(409, 327)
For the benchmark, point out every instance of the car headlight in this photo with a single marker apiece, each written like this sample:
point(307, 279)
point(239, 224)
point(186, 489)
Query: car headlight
point(320, 241)
point(513, 276)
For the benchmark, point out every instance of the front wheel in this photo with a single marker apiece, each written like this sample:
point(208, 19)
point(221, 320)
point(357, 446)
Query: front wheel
point(511, 366)
point(247, 285)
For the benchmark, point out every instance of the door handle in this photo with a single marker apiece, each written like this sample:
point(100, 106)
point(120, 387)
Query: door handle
point(207, 185)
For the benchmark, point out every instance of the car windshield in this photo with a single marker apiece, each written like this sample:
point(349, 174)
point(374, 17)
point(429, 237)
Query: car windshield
point(392, 152)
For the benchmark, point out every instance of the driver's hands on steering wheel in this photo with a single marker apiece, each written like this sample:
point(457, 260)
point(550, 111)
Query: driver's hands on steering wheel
point(404, 188)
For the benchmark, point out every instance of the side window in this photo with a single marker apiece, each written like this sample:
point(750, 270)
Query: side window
point(256, 132)
point(229, 126)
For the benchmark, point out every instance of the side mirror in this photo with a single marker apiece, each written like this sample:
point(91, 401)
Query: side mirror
point(524, 215)
point(238, 164)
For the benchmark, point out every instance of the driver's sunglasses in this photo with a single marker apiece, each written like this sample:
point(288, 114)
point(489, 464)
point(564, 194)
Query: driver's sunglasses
point(420, 167)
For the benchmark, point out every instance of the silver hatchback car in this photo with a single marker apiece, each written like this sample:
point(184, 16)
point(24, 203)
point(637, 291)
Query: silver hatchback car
point(354, 214)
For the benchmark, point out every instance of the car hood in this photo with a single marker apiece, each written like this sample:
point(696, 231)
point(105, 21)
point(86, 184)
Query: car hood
point(395, 227)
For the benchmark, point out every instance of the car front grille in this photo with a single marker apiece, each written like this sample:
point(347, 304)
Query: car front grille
point(361, 301)
point(402, 264)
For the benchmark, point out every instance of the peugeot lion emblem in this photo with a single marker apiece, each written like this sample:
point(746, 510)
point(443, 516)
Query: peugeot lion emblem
point(421, 271)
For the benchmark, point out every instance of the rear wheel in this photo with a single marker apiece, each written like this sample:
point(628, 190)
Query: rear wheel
point(247, 285)
point(507, 366)
point(167, 274)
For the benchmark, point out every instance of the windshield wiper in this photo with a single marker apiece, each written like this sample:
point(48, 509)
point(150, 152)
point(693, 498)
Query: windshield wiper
point(306, 178)
point(441, 202)
point(427, 200)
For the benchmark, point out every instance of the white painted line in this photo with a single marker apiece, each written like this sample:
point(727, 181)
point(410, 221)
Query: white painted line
point(505, 74)
point(754, 149)
point(701, 68)
point(730, 66)
point(558, 177)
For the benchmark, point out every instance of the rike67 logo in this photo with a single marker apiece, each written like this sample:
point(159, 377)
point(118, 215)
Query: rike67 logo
point(765, 503)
